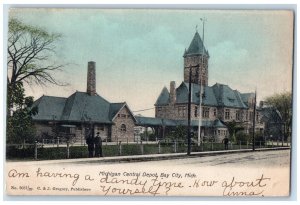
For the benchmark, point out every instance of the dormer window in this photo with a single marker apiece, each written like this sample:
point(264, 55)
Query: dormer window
point(231, 100)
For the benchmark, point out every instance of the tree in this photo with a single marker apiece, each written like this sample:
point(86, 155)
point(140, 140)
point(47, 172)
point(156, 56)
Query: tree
point(283, 103)
point(30, 49)
point(179, 133)
point(243, 137)
point(19, 124)
point(233, 127)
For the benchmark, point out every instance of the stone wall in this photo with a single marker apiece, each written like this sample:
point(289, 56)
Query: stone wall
point(180, 112)
point(123, 129)
point(197, 72)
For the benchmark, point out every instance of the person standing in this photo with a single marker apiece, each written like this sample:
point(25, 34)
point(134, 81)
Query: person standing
point(91, 146)
point(98, 146)
point(225, 140)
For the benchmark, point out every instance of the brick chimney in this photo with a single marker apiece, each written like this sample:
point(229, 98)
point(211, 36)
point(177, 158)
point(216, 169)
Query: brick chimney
point(172, 92)
point(91, 78)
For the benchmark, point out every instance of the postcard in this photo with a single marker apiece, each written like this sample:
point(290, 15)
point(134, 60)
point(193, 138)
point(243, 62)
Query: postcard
point(149, 102)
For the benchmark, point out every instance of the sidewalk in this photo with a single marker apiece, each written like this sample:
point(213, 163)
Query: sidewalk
point(152, 157)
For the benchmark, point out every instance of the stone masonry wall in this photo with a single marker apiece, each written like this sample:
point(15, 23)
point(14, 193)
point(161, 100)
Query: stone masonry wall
point(180, 112)
point(123, 118)
point(197, 72)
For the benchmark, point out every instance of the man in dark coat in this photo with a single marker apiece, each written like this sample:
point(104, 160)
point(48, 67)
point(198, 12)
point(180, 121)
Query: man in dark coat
point(226, 140)
point(98, 146)
point(91, 146)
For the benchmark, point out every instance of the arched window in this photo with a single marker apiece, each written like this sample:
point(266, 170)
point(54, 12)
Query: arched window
point(123, 128)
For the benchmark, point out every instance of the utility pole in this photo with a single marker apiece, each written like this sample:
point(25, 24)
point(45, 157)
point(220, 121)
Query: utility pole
point(189, 112)
point(254, 116)
point(201, 87)
point(189, 108)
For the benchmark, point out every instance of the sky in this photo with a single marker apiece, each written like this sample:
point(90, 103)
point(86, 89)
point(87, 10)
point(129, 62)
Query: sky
point(138, 52)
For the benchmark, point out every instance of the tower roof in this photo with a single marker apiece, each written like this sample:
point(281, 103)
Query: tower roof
point(196, 47)
point(163, 98)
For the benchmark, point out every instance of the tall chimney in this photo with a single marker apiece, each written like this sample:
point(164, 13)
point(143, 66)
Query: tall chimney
point(172, 92)
point(91, 78)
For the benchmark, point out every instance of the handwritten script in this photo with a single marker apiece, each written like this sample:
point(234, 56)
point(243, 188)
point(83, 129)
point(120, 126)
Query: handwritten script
point(141, 183)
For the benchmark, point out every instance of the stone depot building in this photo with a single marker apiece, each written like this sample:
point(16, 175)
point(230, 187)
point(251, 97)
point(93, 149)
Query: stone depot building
point(86, 113)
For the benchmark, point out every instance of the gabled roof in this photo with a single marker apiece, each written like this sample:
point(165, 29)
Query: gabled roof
point(227, 97)
point(49, 108)
point(163, 98)
point(114, 109)
point(196, 47)
point(79, 107)
point(182, 95)
point(84, 107)
point(216, 95)
point(245, 97)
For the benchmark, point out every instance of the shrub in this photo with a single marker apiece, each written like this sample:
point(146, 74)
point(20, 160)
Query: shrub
point(243, 137)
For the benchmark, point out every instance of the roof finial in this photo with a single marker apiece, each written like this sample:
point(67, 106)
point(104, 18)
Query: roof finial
point(196, 27)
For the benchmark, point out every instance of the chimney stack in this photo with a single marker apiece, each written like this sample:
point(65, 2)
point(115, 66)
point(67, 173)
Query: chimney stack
point(91, 78)
point(172, 92)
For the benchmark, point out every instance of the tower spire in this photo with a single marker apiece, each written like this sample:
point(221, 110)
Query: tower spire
point(197, 56)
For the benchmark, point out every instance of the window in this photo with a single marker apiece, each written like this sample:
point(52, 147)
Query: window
point(123, 116)
point(215, 112)
point(219, 132)
point(123, 128)
point(196, 111)
point(250, 116)
point(237, 115)
point(227, 112)
point(205, 112)
point(100, 128)
point(181, 111)
point(231, 100)
point(257, 117)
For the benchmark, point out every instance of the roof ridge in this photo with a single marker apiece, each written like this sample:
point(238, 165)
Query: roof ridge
point(118, 103)
point(101, 97)
point(38, 101)
point(52, 96)
point(237, 94)
point(72, 103)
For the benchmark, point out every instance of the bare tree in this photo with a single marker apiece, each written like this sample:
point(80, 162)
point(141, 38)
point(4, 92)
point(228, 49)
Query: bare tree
point(29, 54)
